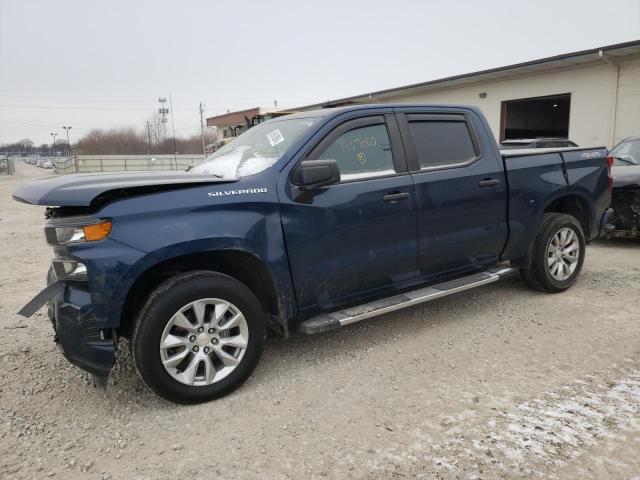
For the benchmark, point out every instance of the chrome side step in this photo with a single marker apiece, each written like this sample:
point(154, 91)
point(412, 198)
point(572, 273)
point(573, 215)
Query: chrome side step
point(330, 321)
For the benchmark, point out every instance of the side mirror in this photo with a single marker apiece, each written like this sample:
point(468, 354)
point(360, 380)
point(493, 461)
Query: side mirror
point(311, 174)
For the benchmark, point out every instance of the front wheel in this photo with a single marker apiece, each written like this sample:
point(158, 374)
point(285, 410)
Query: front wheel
point(558, 254)
point(198, 337)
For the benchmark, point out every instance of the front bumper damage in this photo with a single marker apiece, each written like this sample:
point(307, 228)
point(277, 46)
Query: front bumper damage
point(76, 333)
point(625, 222)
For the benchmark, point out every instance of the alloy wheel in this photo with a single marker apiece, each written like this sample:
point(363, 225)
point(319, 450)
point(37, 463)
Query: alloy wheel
point(563, 254)
point(204, 341)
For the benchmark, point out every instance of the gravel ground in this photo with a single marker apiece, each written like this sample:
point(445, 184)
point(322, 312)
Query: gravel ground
point(497, 382)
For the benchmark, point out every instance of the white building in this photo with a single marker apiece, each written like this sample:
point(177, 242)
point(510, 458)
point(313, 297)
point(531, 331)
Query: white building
point(592, 97)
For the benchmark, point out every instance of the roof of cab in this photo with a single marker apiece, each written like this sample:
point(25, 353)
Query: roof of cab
point(325, 112)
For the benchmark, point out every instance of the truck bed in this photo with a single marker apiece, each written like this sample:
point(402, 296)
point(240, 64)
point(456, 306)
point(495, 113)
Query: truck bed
point(536, 177)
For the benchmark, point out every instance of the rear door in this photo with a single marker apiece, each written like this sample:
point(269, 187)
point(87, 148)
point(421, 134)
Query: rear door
point(461, 192)
point(356, 237)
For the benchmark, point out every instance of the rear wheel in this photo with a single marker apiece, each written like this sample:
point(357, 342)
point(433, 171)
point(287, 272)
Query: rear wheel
point(198, 337)
point(558, 254)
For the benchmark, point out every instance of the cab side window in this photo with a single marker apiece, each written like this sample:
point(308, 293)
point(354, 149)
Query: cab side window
point(441, 143)
point(363, 152)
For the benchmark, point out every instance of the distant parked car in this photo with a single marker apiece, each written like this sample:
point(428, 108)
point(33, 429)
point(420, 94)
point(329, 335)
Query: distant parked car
point(39, 163)
point(47, 164)
point(536, 143)
point(625, 197)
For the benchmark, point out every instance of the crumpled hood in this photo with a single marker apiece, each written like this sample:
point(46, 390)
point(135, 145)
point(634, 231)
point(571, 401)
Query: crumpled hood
point(81, 189)
point(626, 175)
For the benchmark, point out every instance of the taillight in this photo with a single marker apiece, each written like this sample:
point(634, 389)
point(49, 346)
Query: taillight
point(610, 179)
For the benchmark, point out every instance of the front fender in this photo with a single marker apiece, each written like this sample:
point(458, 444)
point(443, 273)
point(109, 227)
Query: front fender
point(172, 224)
point(277, 268)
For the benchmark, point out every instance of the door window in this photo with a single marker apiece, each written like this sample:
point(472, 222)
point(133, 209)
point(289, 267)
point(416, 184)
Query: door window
point(441, 143)
point(363, 152)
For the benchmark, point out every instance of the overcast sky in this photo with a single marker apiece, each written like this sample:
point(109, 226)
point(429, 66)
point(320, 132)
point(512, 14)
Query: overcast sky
point(104, 64)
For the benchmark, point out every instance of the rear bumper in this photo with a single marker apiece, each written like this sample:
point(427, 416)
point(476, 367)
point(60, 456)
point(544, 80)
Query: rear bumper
point(77, 336)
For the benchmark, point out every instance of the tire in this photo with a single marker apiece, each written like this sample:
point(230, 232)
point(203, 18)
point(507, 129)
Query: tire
point(548, 254)
point(192, 296)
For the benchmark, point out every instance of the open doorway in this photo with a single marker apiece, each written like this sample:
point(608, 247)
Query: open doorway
point(536, 117)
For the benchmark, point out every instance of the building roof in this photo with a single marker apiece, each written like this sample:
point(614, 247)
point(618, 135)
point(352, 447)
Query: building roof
point(609, 53)
point(232, 118)
point(240, 117)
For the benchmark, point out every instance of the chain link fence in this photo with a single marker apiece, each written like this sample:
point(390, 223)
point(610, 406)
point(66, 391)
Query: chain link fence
point(120, 163)
point(7, 167)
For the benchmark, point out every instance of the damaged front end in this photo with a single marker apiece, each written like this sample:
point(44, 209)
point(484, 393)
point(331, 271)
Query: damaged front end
point(78, 334)
point(86, 338)
point(87, 279)
point(625, 200)
point(625, 221)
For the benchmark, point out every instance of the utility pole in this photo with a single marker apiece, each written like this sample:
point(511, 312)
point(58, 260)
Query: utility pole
point(54, 135)
point(68, 143)
point(163, 110)
point(149, 137)
point(173, 129)
point(204, 147)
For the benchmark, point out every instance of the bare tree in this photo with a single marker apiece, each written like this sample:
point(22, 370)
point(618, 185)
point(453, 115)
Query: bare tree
point(114, 142)
point(129, 141)
point(157, 129)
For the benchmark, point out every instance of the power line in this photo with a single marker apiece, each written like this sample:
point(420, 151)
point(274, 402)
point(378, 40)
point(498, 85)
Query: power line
point(115, 109)
point(42, 125)
point(151, 102)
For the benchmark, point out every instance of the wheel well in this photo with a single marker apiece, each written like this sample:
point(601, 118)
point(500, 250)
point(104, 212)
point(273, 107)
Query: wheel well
point(575, 206)
point(240, 265)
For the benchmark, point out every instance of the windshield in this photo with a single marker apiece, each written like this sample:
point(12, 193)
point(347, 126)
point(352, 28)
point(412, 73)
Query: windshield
point(626, 153)
point(255, 150)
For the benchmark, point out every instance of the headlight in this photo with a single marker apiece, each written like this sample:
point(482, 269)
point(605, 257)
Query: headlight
point(62, 235)
point(69, 234)
point(69, 269)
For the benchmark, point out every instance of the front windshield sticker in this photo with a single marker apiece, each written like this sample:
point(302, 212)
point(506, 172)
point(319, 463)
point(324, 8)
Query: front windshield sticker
point(275, 137)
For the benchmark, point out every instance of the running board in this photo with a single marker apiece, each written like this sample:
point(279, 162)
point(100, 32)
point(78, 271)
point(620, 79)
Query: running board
point(330, 321)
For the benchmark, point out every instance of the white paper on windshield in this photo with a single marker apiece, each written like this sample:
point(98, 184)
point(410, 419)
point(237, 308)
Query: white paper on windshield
point(275, 137)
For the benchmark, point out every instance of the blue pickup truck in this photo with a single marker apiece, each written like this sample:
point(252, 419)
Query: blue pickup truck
point(311, 222)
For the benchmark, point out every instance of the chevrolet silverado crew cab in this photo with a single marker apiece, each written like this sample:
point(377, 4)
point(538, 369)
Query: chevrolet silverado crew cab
point(311, 221)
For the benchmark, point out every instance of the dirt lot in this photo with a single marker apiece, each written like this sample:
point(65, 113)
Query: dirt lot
point(497, 382)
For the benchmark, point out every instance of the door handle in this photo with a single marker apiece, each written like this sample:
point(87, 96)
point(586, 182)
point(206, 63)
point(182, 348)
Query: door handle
point(489, 182)
point(395, 197)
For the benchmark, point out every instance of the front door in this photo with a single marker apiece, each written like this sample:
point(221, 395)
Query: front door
point(356, 237)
